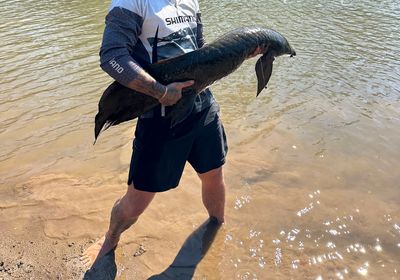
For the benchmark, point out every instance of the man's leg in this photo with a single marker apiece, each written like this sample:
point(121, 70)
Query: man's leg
point(213, 193)
point(125, 213)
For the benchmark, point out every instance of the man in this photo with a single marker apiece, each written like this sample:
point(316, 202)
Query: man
point(139, 32)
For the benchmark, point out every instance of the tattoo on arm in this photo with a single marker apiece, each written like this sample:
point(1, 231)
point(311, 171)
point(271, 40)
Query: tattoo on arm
point(146, 84)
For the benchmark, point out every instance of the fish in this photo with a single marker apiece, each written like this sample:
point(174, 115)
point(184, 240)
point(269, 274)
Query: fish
point(204, 66)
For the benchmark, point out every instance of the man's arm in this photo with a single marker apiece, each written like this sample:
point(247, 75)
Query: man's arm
point(121, 34)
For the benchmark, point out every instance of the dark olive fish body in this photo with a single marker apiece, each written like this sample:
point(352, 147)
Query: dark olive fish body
point(205, 66)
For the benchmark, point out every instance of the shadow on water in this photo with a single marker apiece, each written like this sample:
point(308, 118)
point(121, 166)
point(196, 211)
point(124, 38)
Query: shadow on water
point(104, 268)
point(191, 253)
point(183, 266)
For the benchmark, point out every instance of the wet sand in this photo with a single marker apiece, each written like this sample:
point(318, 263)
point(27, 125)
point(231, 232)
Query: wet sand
point(37, 257)
point(47, 239)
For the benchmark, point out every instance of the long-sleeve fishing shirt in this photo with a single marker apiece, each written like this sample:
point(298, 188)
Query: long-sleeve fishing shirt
point(129, 38)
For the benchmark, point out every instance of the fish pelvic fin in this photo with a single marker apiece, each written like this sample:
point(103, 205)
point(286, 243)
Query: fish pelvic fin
point(183, 108)
point(264, 70)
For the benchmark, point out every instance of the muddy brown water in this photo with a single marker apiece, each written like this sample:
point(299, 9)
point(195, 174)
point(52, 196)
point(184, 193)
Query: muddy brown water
point(313, 166)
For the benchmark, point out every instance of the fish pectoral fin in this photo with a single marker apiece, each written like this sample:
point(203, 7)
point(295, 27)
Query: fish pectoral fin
point(264, 71)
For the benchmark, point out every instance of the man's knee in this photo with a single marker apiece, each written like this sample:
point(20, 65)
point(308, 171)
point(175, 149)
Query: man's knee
point(212, 177)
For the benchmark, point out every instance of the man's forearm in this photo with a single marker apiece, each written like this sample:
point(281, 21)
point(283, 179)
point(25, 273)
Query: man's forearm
point(128, 72)
point(145, 83)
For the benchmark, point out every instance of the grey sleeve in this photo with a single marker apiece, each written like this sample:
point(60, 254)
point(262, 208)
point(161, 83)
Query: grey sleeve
point(120, 35)
point(200, 37)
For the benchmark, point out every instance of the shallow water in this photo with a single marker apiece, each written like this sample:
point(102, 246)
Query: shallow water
point(313, 167)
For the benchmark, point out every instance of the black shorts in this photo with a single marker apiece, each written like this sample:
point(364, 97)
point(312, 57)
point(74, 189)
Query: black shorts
point(160, 152)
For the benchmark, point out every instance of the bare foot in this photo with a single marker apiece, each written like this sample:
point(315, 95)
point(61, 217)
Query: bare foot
point(99, 249)
point(216, 221)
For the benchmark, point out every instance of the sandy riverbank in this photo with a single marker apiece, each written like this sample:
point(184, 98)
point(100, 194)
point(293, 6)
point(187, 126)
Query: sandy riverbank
point(49, 220)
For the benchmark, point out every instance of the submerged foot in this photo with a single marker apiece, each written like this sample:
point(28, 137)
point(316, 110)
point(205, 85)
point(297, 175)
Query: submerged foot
point(99, 249)
point(217, 221)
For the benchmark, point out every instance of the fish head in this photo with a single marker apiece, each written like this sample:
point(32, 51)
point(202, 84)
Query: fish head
point(273, 41)
point(271, 44)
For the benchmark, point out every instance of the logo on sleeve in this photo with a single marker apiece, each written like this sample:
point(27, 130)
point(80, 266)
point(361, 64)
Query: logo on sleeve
point(116, 66)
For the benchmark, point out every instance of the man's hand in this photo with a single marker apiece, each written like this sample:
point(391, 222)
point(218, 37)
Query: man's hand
point(174, 92)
